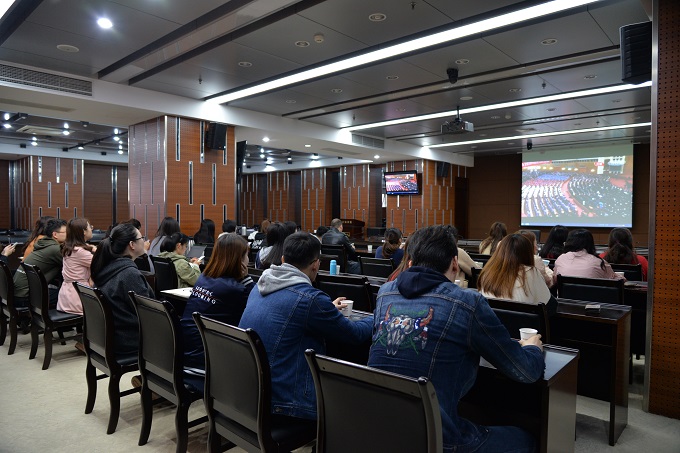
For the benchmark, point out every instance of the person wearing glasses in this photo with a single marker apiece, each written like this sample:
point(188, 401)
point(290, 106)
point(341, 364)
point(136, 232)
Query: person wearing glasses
point(114, 273)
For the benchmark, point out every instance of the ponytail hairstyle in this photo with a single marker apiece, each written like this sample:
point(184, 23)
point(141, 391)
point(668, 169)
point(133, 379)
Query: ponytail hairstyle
point(392, 242)
point(113, 247)
point(582, 239)
point(620, 248)
point(169, 244)
point(276, 235)
point(38, 229)
point(75, 236)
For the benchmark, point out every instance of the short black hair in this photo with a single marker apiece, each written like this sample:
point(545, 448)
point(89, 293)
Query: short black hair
point(321, 230)
point(301, 249)
point(433, 247)
point(53, 225)
point(229, 226)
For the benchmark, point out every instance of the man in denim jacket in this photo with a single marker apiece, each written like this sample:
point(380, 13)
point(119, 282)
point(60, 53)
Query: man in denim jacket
point(425, 325)
point(290, 315)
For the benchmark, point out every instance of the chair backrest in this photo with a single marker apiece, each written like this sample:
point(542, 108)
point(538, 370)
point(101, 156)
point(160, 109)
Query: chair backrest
point(325, 262)
point(239, 396)
point(142, 263)
point(479, 257)
point(516, 315)
point(13, 260)
point(632, 272)
point(399, 405)
point(161, 353)
point(338, 251)
point(255, 271)
point(166, 275)
point(98, 322)
point(474, 277)
point(38, 297)
point(6, 286)
point(376, 267)
point(590, 289)
point(356, 288)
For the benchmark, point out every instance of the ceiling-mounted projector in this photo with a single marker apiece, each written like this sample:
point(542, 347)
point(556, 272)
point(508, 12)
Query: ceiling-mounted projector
point(457, 126)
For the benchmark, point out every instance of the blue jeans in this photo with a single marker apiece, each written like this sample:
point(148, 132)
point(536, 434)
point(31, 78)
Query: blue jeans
point(507, 439)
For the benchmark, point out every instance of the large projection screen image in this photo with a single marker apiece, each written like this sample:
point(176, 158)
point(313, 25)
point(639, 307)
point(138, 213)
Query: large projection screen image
point(578, 187)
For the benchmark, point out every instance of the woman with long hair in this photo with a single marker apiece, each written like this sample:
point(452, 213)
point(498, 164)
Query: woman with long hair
point(554, 245)
point(205, 233)
point(620, 250)
point(580, 258)
point(37, 233)
point(114, 273)
point(510, 273)
point(168, 227)
point(545, 271)
point(276, 234)
point(497, 232)
point(77, 255)
point(391, 248)
point(221, 293)
point(403, 265)
point(175, 247)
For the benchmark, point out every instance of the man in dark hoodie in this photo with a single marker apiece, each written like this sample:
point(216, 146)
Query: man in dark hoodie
point(425, 325)
point(46, 256)
point(290, 315)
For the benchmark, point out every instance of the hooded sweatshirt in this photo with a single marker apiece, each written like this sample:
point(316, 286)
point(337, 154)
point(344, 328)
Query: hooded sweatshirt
point(115, 280)
point(46, 256)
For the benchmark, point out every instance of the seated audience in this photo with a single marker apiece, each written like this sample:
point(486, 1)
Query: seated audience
point(77, 255)
point(391, 248)
point(620, 250)
point(114, 273)
point(229, 226)
point(220, 293)
point(290, 315)
point(168, 227)
point(545, 271)
point(46, 256)
point(580, 258)
point(259, 238)
point(205, 233)
point(510, 274)
point(37, 233)
point(7, 251)
point(175, 248)
point(405, 263)
point(450, 328)
point(497, 232)
point(291, 226)
point(272, 253)
point(335, 236)
point(320, 232)
point(554, 245)
point(465, 262)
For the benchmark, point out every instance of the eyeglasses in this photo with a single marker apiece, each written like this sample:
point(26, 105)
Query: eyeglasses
point(143, 237)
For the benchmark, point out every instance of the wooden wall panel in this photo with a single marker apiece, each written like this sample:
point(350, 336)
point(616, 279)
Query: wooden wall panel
point(253, 198)
point(313, 198)
point(49, 191)
point(277, 196)
point(22, 194)
point(5, 193)
point(355, 192)
point(99, 200)
point(122, 203)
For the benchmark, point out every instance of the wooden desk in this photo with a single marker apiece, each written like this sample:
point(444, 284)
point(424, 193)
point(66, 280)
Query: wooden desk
point(546, 408)
point(603, 340)
point(177, 297)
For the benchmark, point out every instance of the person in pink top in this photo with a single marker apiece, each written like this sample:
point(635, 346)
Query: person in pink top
point(580, 258)
point(620, 250)
point(77, 255)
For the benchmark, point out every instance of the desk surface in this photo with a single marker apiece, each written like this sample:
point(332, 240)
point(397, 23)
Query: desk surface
point(182, 293)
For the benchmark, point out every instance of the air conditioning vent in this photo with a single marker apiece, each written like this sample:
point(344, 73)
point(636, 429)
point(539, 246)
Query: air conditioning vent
point(368, 141)
point(37, 130)
point(28, 77)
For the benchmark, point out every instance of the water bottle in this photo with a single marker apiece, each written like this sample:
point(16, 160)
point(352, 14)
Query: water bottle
point(334, 267)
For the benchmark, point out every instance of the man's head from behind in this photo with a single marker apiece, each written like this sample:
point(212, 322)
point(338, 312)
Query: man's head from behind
point(229, 226)
point(336, 223)
point(301, 250)
point(56, 229)
point(433, 247)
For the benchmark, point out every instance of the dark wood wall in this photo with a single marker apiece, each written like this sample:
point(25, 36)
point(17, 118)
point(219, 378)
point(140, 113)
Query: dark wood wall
point(5, 192)
point(106, 185)
point(355, 195)
point(313, 190)
point(253, 198)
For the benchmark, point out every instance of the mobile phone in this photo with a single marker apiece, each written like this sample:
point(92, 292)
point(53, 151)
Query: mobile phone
point(201, 258)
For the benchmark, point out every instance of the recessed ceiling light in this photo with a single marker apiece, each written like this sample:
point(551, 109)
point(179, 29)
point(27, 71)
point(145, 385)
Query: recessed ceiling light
point(68, 48)
point(65, 125)
point(376, 157)
point(120, 151)
point(290, 158)
point(515, 90)
point(65, 132)
point(463, 61)
point(6, 116)
point(308, 146)
point(590, 76)
point(377, 17)
point(549, 42)
point(103, 22)
point(315, 156)
point(262, 156)
point(265, 139)
point(245, 64)
point(116, 131)
point(290, 101)
point(34, 143)
point(116, 138)
point(80, 146)
point(336, 90)
point(302, 43)
point(392, 77)
point(7, 126)
point(466, 98)
point(401, 109)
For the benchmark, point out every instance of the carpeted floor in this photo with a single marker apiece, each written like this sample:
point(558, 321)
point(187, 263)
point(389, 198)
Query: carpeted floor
point(43, 411)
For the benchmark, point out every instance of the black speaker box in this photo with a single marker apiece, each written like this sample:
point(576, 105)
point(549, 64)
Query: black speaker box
point(636, 52)
point(443, 169)
point(216, 137)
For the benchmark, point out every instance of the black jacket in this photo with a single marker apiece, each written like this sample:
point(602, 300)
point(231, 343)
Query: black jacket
point(337, 237)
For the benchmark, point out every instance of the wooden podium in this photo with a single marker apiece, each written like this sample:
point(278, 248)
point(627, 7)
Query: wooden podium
point(353, 228)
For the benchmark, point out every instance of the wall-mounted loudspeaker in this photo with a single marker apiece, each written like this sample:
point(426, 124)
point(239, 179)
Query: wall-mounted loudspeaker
point(636, 52)
point(216, 137)
point(443, 169)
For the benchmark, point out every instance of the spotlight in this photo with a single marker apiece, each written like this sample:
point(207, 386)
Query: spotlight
point(315, 156)
point(6, 116)
point(116, 138)
point(85, 123)
point(453, 75)
point(120, 151)
point(529, 145)
point(65, 132)
point(80, 146)
point(7, 126)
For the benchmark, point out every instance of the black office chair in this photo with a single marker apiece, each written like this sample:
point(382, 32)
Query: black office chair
point(604, 290)
point(98, 340)
point(166, 275)
point(10, 315)
point(516, 315)
point(474, 277)
point(376, 267)
point(479, 257)
point(161, 355)
point(632, 272)
point(238, 398)
point(356, 288)
point(46, 318)
point(325, 262)
point(338, 251)
point(142, 263)
point(399, 406)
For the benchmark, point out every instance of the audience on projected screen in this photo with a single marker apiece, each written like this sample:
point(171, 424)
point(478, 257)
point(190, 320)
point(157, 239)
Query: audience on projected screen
point(580, 258)
point(175, 248)
point(37, 233)
point(391, 248)
point(511, 274)
point(553, 247)
point(77, 255)
point(545, 271)
point(168, 227)
point(205, 233)
point(497, 232)
point(272, 253)
point(620, 250)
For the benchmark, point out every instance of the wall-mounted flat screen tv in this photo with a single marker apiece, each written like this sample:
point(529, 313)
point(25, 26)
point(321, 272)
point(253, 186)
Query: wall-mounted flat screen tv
point(588, 187)
point(401, 182)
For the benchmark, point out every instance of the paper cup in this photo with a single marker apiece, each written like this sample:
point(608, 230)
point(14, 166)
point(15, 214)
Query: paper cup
point(348, 309)
point(546, 262)
point(526, 333)
point(370, 248)
point(337, 269)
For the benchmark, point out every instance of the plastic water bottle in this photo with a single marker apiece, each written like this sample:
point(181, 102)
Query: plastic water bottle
point(334, 267)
